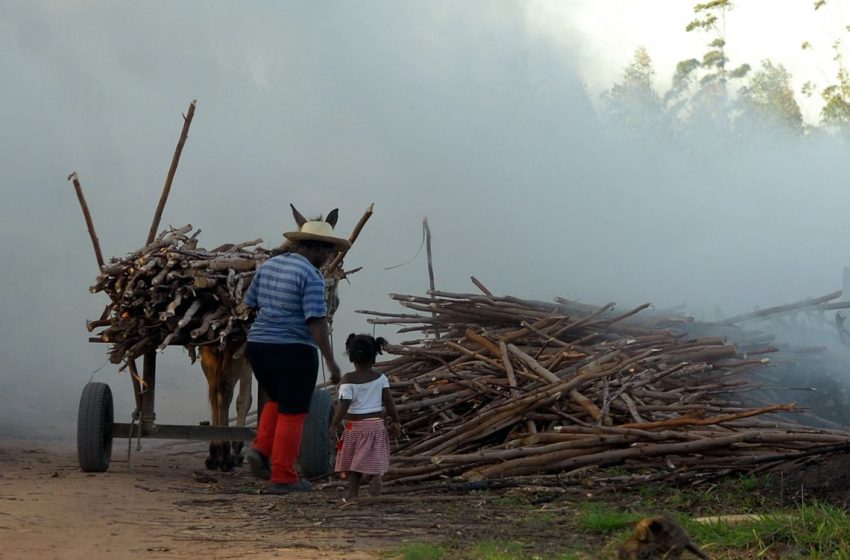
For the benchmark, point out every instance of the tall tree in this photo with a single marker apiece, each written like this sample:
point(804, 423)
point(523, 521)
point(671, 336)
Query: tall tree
point(835, 113)
point(699, 95)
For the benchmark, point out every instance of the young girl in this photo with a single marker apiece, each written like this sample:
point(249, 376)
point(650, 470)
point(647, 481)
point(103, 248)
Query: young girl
point(363, 394)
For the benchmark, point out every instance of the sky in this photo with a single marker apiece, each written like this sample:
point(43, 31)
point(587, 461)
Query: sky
point(480, 116)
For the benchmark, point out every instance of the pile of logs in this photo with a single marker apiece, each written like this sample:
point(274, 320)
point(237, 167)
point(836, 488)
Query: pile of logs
point(504, 387)
point(172, 292)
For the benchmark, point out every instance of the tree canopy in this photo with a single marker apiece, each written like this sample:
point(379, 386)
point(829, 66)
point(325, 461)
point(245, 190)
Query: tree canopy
point(709, 95)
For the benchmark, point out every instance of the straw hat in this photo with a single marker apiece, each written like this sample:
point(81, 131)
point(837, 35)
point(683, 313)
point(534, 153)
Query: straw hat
point(317, 230)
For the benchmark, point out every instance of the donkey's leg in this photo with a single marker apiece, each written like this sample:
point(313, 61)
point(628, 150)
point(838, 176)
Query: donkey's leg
point(213, 460)
point(225, 395)
point(243, 402)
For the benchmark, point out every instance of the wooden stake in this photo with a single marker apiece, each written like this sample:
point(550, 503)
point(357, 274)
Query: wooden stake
point(351, 238)
point(187, 120)
point(481, 286)
point(811, 302)
point(430, 266)
point(98, 255)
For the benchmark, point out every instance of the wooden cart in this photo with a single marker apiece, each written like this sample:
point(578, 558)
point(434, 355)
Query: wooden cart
point(96, 426)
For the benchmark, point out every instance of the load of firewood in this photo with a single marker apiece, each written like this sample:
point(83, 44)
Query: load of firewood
point(504, 387)
point(173, 292)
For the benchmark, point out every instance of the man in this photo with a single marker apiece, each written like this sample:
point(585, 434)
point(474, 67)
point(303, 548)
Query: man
point(288, 292)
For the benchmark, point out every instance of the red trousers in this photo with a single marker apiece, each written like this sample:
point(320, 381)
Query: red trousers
point(279, 437)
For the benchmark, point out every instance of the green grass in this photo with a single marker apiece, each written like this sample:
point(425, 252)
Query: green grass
point(602, 518)
point(815, 532)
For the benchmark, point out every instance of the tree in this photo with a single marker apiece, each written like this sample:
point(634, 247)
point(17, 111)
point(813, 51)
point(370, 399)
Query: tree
point(767, 102)
point(835, 113)
point(633, 102)
point(699, 95)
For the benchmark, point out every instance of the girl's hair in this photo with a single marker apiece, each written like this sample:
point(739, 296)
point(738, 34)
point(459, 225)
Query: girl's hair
point(364, 348)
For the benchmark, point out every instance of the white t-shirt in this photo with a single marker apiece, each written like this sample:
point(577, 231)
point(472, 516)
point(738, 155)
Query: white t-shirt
point(364, 397)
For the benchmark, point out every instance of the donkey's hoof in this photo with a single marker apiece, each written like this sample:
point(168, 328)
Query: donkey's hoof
point(212, 463)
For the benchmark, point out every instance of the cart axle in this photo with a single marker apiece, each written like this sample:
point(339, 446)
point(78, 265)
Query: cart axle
point(175, 431)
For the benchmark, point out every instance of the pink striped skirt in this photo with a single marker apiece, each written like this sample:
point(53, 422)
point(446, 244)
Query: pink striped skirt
point(365, 447)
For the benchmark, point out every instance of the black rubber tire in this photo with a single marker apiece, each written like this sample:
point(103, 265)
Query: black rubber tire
point(94, 428)
point(317, 455)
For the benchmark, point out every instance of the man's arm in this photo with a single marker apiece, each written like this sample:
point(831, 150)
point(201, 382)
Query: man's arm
point(321, 333)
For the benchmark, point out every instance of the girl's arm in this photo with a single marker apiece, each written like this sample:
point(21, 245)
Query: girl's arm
point(341, 410)
point(387, 399)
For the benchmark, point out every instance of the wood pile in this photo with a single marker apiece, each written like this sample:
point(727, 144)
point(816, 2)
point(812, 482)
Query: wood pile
point(173, 292)
point(505, 387)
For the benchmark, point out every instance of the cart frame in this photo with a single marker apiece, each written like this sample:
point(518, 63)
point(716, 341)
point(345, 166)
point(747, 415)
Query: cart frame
point(96, 427)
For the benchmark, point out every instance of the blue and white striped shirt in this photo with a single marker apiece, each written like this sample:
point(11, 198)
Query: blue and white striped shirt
point(287, 290)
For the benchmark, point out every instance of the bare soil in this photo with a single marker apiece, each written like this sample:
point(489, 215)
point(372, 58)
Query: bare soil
point(824, 478)
point(162, 504)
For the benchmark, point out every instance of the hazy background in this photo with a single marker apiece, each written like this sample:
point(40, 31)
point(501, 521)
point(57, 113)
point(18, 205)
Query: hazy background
point(473, 114)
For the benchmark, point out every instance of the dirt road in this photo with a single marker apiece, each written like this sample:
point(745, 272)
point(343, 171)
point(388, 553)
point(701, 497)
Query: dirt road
point(161, 506)
point(155, 507)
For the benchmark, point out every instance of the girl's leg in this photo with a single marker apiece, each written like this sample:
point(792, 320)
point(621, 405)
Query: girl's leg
point(376, 485)
point(353, 487)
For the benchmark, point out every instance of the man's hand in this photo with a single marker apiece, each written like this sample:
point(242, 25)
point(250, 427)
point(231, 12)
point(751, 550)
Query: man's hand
point(394, 429)
point(334, 436)
point(334, 370)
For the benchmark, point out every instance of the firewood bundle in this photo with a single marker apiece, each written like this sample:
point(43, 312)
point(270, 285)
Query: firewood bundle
point(506, 387)
point(173, 292)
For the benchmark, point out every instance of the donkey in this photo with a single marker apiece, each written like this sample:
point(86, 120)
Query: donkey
point(223, 369)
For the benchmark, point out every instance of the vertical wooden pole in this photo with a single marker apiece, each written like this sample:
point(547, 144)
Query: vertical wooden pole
point(187, 120)
point(430, 271)
point(148, 396)
point(89, 224)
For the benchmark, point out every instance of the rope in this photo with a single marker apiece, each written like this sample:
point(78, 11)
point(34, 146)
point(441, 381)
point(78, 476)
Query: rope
point(135, 423)
point(419, 250)
point(97, 371)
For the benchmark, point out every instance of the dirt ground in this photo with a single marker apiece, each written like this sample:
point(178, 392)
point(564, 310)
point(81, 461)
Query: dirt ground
point(162, 506)
point(825, 478)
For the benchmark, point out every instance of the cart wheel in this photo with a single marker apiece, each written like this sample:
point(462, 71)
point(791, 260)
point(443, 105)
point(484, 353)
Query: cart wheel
point(94, 428)
point(317, 454)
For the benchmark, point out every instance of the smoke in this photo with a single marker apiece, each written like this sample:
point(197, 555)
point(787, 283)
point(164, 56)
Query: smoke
point(466, 114)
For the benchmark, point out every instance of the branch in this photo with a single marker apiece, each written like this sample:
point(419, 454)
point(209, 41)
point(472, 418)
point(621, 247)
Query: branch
point(187, 120)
